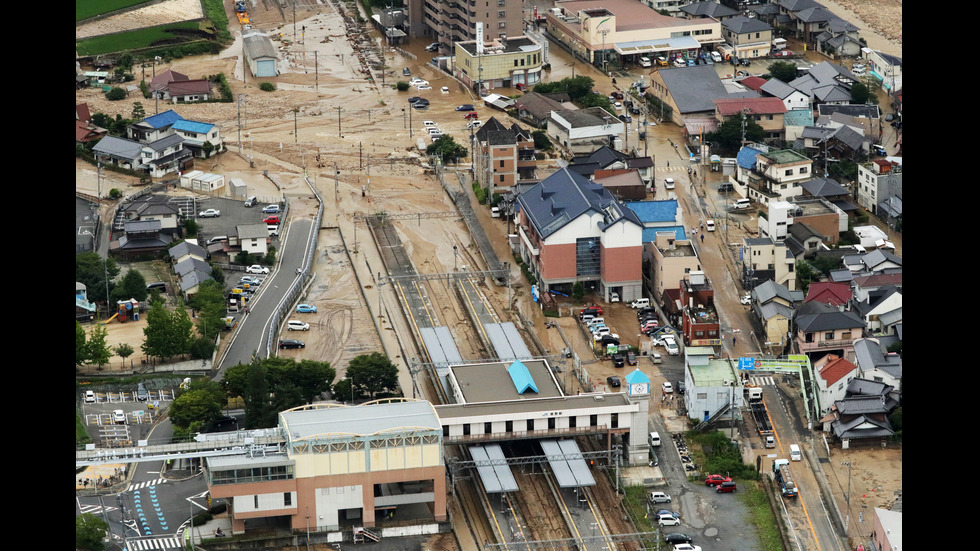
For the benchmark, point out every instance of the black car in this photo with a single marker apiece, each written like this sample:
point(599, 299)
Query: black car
point(626, 118)
point(618, 361)
point(677, 537)
point(726, 187)
point(609, 339)
point(613, 381)
point(466, 107)
point(635, 110)
point(291, 343)
point(680, 387)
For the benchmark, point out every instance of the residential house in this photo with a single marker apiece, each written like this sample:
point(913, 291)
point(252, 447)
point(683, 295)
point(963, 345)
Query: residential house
point(623, 183)
point(826, 82)
point(190, 90)
point(837, 38)
point(879, 366)
point(189, 265)
point(834, 143)
point(881, 310)
point(504, 156)
point(749, 36)
point(152, 207)
point(700, 324)
point(830, 191)
point(535, 109)
point(573, 230)
point(159, 83)
point(832, 375)
point(688, 92)
point(260, 54)
point(777, 175)
point(795, 120)
point(582, 131)
point(141, 238)
point(820, 215)
point(85, 131)
point(862, 415)
point(823, 329)
point(668, 259)
point(606, 158)
point(864, 284)
point(196, 134)
point(187, 250)
point(120, 152)
point(498, 61)
point(774, 306)
point(879, 182)
point(875, 261)
point(253, 238)
point(833, 293)
point(154, 127)
point(766, 112)
point(764, 258)
point(791, 97)
point(164, 156)
point(803, 241)
point(863, 117)
point(703, 10)
point(884, 67)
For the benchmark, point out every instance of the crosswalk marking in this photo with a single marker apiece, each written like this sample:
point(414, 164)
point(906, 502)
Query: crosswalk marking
point(95, 509)
point(762, 381)
point(143, 544)
point(145, 484)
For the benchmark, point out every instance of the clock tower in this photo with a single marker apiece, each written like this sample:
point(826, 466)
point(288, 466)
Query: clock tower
point(638, 391)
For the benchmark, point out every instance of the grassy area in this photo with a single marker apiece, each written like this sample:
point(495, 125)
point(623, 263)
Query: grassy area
point(87, 8)
point(142, 38)
point(635, 502)
point(761, 515)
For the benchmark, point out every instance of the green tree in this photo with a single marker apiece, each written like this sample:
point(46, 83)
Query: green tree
point(115, 94)
point(167, 333)
point(373, 373)
point(124, 63)
point(98, 349)
point(343, 390)
point(729, 133)
point(578, 290)
point(207, 149)
point(93, 271)
point(194, 405)
point(804, 275)
point(258, 409)
point(447, 149)
point(124, 351)
point(860, 93)
point(132, 285)
point(541, 140)
point(81, 347)
point(401, 86)
point(203, 348)
point(235, 380)
point(138, 113)
point(191, 227)
point(90, 530)
point(267, 87)
point(313, 378)
point(782, 70)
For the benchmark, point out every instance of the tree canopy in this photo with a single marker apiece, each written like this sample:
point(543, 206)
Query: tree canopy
point(167, 333)
point(372, 374)
point(276, 384)
point(782, 70)
point(729, 134)
point(93, 271)
point(447, 149)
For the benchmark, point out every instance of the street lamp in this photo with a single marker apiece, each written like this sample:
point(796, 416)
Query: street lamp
point(455, 255)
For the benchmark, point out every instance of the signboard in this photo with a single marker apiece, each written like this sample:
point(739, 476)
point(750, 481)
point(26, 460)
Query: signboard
point(479, 38)
point(747, 364)
point(706, 342)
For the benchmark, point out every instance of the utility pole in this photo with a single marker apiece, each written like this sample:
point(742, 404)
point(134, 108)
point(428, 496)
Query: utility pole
point(336, 183)
point(316, 71)
point(339, 133)
point(295, 126)
point(241, 100)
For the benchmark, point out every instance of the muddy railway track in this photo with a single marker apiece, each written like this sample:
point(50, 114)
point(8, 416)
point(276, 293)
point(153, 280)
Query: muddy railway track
point(609, 502)
point(542, 516)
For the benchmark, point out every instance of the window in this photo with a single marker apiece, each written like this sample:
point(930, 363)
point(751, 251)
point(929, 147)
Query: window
point(614, 421)
point(846, 335)
point(530, 425)
point(287, 499)
point(789, 172)
point(571, 422)
point(593, 420)
point(256, 500)
point(501, 164)
point(487, 428)
point(501, 14)
point(502, 25)
point(466, 429)
point(808, 337)
point(551, 423)
point(445, 431)
point(828, 336)
point(509, 426)
point(804, 170)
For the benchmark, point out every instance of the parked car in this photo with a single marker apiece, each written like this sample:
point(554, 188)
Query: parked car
point(465, 107)
point(119, 416)
point(668, 183)
point(667, 520)
point(626, 118)
point(471, 115)
point(297, 325)
point(687, 547)
point(271, 209)
point(613, 381)
point(423, 87)
point(594, 310)
point(617, 360)
point(677, 538)
point(252, 281)
point(726, 487)
point(474, 124)
point(630, 357)
point(667, 387)
point(659, 497)
point(674, 514)
point(406, 72)
point(306, 309)
point(727, 187)
point(141, 394)
point(291, 343)
point(745, 299)
point(256, 269)
point(417, 81)
point(271, 220)
point(210, 213)
point(715, 479)
point(602, 335)
point(681, 388)
point(89, 396)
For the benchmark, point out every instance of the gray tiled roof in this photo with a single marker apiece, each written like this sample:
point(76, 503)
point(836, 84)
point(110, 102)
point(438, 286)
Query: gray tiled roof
point(694, 89)
point(815, 316)
point(712, 9)
point(119, 147)
point(742, 24)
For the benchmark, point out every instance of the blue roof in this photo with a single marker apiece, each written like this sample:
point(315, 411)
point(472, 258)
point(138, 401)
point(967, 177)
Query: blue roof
point(163, 119)
point(798, 117)
point(746, 157)
point(654, 211)
point(193, 126)
point(521, 377)
point(650, 234)
point(637, 376)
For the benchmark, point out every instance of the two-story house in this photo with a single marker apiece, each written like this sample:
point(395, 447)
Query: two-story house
point(164, 156)
point(823, 329)
point(878, 182)
point(833, 373)
point(572, 231)
point(749, 36)
point(499, 62)
point(504, 156)
point(777, 175)
point(773, 306)
point(700, 323)
point(879, 365)
point(584, 130)
point(766, 112)
point(154, 127)
point(764, 258)
point(606, 158)
point(667, 260)
point(821, 216)
point(197, 134)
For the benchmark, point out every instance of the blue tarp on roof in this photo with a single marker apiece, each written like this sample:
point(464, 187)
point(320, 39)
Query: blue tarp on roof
point(746, 157)
point(521, 377)
point(650, 234)
point(654, 211)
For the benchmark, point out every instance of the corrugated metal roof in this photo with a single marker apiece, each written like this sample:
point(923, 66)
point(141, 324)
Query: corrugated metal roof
point(567, 464)
point(362, 420)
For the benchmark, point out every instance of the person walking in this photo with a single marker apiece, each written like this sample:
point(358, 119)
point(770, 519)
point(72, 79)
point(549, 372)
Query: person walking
point(733, 340)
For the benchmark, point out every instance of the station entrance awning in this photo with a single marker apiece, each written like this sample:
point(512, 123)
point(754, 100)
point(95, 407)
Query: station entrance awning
point(657, 45)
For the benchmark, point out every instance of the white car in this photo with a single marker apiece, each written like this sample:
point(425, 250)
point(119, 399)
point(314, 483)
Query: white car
point(89, 396)
point(271, 209)
point(671, 345)
point(745, 299)
point(667, 519)
point(474, 124)
point(119, 416)
point(210, 213)
point(296, 325)
point(668, 183)
point(613, 297)
point(667, 387)
point(424, 87)
point(256, 269)
point(416, 81)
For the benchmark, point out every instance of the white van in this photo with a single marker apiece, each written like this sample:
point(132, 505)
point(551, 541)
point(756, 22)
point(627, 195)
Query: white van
point(429, 124)
point(654, 439)
point(596, 321)
point(671, 345)
point(251, 201)
point(710, 225)
point(668, 183)
point(640, 303)
point(794, 453)
point(741, 204)
point(645, 62)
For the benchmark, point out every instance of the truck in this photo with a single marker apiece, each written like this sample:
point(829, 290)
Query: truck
point(754, 393)
point(240, 6)
point(761, 418)
point(780, 471)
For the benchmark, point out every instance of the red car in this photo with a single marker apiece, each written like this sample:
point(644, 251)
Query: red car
point(594, 310)
point(726, 488)
point(715, 479)
point(272, 220)
point(471, 115)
